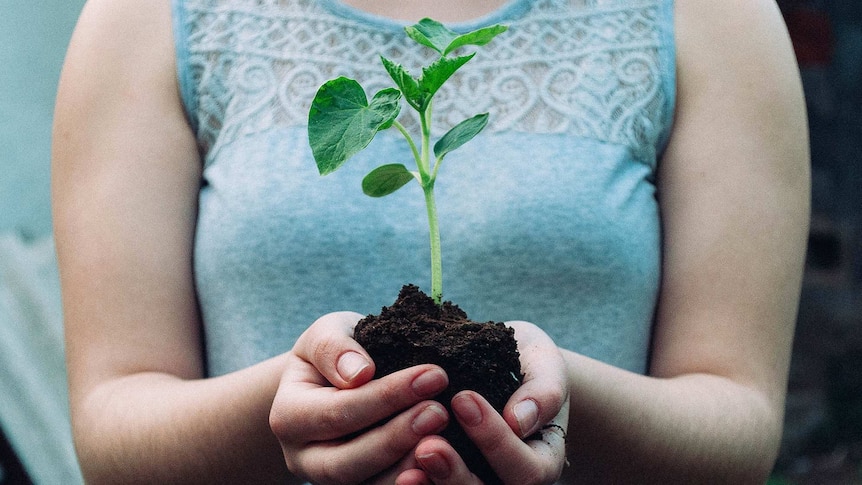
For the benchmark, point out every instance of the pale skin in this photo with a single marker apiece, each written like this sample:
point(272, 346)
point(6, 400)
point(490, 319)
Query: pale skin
point(733, 190)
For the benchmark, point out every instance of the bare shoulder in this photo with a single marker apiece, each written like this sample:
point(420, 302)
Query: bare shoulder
point(119, 83)
point(118, 101)
point(738, 82)
point(120, 67)
point(138, 26)
point(711, 25)
point(735, 47)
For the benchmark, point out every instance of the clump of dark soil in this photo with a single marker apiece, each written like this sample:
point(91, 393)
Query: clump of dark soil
point(481, 357)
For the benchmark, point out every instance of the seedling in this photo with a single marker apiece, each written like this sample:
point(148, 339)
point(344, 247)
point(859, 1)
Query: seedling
point(342, 122)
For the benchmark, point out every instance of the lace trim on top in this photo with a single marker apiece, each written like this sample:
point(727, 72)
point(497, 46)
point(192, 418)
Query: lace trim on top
point(597, 69)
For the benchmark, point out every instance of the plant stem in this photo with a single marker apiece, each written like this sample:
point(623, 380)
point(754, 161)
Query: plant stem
point(425, 127)
point(428, 179)
point(436, 257)
point(409, 139)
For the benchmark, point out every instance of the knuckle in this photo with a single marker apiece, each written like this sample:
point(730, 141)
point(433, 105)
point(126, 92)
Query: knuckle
point(324, 350)
point(280, 422)
point(309, 342)
point(276, 424)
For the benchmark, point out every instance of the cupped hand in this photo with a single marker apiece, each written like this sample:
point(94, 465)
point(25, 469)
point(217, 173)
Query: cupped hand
point(527, 444)
point(327, 408)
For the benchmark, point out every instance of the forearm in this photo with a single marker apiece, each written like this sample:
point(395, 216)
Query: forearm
point(627, 428)
point(156, 428)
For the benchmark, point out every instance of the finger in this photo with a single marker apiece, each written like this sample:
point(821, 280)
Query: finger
point(541, 396)
point(441, 465)
point(328, 413)
point(369, 454)
point(413, 476)
point(549, 443)
point(514, 461)
point(329, 346)
point(405, 472)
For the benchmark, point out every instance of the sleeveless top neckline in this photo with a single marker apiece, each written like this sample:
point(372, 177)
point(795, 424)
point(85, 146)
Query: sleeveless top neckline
point(510, 9)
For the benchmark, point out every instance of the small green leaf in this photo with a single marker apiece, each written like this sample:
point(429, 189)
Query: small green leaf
point(341, 121)
point(441, 70)
point(409, 87)
point(460, 134)
point(478, 38)
point(435, 35)
point(431, 33)
point(386, 179)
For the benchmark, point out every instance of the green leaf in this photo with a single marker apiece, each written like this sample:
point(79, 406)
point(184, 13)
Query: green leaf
point(478, 38)
point(439, 72)
point(435, 35)
point(341, 121)
point(460, 134)
point(431, 33)
point(386, 179)
point(406, 83)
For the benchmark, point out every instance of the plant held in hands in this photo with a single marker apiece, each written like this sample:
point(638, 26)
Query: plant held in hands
point(342, 122)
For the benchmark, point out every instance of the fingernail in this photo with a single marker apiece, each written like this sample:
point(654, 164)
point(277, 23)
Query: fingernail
point(429, 383)
point(467, 409)
point(432, 419)
point(527, 414)
point(435, 465)
point(350, 364)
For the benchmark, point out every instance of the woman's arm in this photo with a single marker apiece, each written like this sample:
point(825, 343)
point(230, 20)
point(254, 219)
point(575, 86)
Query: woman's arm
point(125, 181)
point(733, 190)
point(126, 176)
point(734, 197)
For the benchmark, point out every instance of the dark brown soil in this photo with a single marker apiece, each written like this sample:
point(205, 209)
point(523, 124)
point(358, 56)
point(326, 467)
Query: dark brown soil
point(482, 357)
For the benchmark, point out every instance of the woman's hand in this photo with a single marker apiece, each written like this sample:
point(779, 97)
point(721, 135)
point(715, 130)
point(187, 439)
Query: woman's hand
point(327, 408)
point(527, 444)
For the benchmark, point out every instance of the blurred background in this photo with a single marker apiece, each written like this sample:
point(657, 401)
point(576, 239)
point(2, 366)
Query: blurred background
point(823, 436)
point(35, 441)
point(823, 431)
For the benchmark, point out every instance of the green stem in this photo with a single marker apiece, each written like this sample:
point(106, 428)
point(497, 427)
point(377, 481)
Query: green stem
point(436, 168)
point(428, 179)
point(425, 126)
point(436, 257)
point(409, 139)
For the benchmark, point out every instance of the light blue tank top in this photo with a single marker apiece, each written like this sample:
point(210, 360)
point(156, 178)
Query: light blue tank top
point(550, 215)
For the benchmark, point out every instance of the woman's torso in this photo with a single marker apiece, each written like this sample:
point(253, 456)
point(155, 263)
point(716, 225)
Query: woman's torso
point(549, 215)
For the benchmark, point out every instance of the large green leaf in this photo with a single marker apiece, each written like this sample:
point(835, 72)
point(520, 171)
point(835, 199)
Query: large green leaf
point(341, 121)
point(460, 134)
point(435, 35)
point(386, 179)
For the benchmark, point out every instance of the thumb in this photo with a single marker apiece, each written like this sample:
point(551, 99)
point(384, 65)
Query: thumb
point(328, 345)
